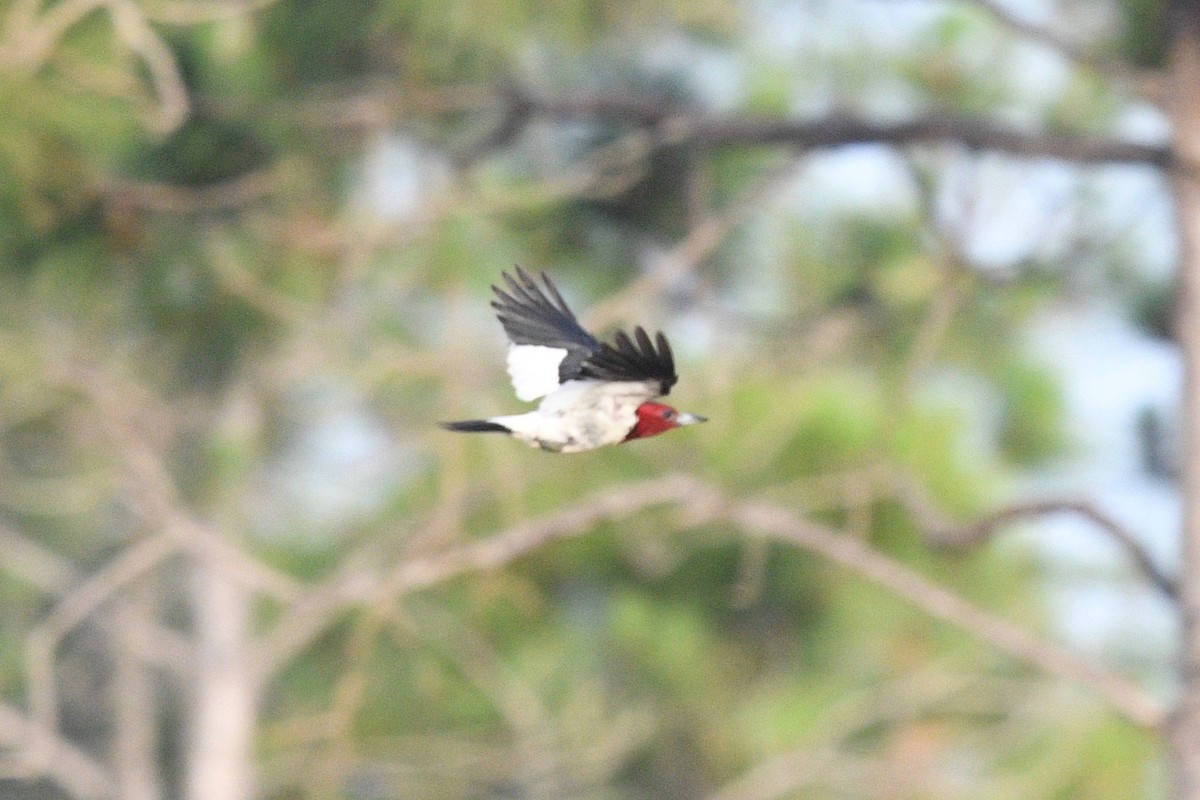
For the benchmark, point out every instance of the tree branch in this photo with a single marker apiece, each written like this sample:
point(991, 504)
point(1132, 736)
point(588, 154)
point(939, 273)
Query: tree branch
point(676, 125)
point(150, 489)
point(946, 533)
point(702, 504)
point(360, 584)
point(856, 555)
point(679, 126)
point(935, 128)
point(993, 524)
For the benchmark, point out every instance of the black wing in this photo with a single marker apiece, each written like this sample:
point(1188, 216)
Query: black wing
point(634, 360)
point(530, 317)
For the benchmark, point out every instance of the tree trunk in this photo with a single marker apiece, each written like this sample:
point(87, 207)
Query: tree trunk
point(1184, 107)
point(225, 700)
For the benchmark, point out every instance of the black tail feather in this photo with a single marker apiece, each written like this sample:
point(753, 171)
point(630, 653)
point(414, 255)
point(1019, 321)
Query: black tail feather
point(475, 426)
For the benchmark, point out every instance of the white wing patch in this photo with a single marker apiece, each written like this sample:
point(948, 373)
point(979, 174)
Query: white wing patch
point(534, 369)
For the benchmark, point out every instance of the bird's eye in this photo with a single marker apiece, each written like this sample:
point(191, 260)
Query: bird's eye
point(669, 414)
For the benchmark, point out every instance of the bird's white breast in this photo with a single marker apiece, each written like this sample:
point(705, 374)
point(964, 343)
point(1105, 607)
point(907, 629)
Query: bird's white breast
point(582, 415)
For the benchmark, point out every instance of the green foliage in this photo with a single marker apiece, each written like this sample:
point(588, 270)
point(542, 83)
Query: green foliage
point(1030, 428)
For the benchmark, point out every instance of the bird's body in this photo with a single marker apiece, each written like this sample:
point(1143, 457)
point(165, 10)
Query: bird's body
point(593, 394)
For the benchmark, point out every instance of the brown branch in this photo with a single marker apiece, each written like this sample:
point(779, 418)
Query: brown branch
point(856, 555)
point(164, 198)
point(702, 504)
point(360, 584)
point(993, 524)
point(31, 40)
point(935, 128)
point(135, 31)
point(946, 533)
point(675, 125)
point(745, 130)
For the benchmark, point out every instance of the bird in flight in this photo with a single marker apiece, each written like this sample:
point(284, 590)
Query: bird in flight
point(593, 393)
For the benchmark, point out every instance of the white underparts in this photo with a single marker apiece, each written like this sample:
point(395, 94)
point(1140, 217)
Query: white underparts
point(581, 415)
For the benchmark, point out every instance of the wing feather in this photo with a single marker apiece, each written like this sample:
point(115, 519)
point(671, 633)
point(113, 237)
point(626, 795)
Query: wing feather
point(550, 347)
point(634, 361)
point(534, 369)
point(548, 344)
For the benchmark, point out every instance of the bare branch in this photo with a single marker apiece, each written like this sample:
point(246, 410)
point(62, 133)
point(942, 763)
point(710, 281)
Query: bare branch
point(359, 584)
point(744, 130)
point(993, 524)
point(236, 193)
point(134, 30)
point(530, 535)
point(859, 557)
point(947, 533)
point(32, 39)
point(702, 504)
point(674, 125)
point(135, 737)
point(935, 128)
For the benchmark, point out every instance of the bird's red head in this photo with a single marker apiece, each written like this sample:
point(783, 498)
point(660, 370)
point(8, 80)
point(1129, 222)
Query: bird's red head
point(656, 418)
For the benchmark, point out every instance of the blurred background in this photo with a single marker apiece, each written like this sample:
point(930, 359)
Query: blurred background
point(915, 258)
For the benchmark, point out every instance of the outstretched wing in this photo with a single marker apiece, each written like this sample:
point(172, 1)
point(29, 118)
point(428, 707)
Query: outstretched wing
point(549, 347)
point(634, 360)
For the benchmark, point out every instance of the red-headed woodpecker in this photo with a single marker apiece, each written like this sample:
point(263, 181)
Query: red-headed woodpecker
point(593, 393)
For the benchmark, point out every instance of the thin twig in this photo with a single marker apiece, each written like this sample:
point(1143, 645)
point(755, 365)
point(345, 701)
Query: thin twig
point(946, 533)
point(971, 133)
point(996, 522)
point(135, 31)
